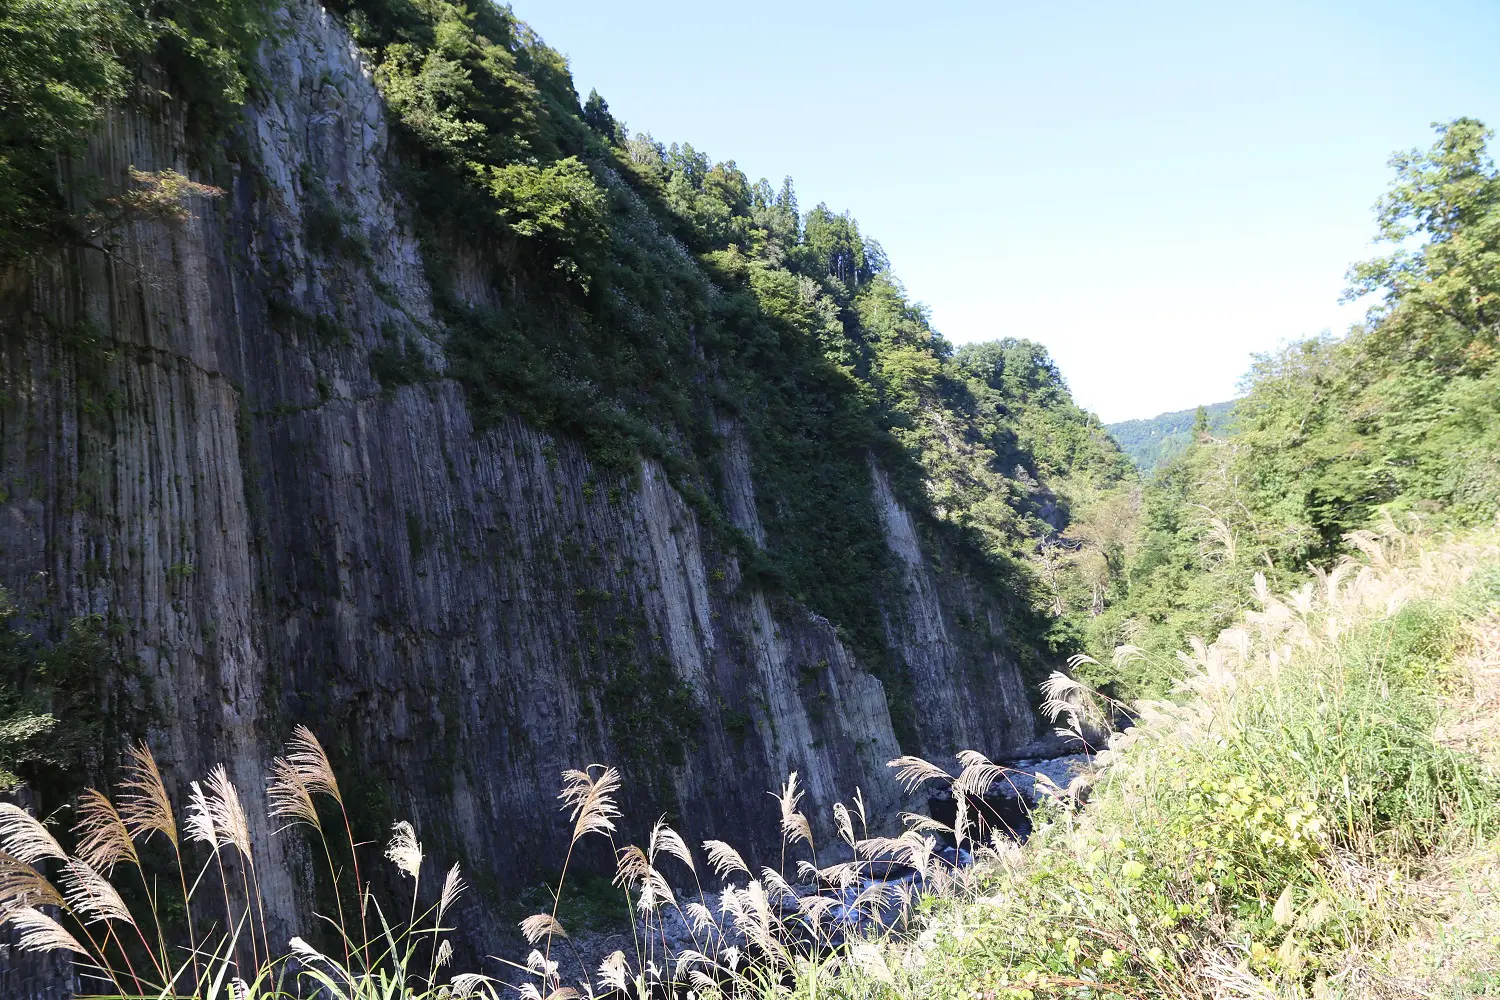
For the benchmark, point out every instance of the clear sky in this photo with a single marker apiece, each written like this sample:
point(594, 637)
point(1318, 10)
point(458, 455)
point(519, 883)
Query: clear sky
point(1153, 190)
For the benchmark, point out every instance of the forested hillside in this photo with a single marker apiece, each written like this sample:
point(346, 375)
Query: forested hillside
point(1154, 441)
point(1397, 422)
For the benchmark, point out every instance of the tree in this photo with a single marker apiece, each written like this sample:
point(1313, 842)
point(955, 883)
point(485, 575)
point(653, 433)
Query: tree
point(832, 243)
point(1442, 298)
point(596, 115)
point(62, 64)
point(776, 211)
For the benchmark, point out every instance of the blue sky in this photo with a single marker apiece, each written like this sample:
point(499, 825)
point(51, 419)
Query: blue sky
point(1153, 190)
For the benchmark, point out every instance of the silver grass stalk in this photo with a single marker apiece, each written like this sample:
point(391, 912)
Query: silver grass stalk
point(700, 918)
point(306, 756)
point(778, 887)
point(815, 908)
point(200, 819)
point(23, 837)
point(473, 984)
point(39, 932)
point(843, 875)
point(290, 796)
point(978, 773)
point(228, 811)
point(655, 893)
point(631, 865)
point(541, 965)
point(918, 822)
point(844, 824)
point(22, 885)
point(590, 801)
point(144, 806)
point(724, 859)
point(912, 772)
point(874, 896)
point(614, 971)
point(309, 955)
point(665, 839)
point(870, 960)
point(1061, 695)
point(103, 839)
point(404, 850)
point(541, 925)
point(453, 887)
point(90, 895)
point(794, 825)
point(591, 807)
point(960, 820)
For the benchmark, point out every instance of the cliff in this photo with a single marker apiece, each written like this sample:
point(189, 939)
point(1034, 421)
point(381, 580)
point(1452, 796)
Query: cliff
point(193, 444)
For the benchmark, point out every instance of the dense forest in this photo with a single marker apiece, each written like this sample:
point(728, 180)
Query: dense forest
point(1154, 441)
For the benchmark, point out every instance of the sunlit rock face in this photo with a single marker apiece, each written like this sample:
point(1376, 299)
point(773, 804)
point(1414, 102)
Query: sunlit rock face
point(192, 443)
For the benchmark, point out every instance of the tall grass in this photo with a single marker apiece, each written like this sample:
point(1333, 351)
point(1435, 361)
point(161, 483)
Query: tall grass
point(761, 931)
point(1244, 839)
point(107, 907)
point(1266, 832)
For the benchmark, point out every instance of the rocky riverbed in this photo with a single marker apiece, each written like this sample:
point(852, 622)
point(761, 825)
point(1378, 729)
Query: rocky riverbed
point(701, 922)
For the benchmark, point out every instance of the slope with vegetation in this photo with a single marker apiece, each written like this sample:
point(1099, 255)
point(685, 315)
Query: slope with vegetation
point(1157, 440)
point(1399, 418)
point(1315, 813)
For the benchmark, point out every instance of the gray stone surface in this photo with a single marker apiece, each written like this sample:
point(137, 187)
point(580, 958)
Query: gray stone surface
point(191, 441)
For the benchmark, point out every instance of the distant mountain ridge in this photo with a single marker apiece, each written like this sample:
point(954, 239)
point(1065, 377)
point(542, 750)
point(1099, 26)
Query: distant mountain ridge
point(1156, 440)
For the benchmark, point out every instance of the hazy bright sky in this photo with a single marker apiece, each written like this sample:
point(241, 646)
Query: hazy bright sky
point(1153, 190)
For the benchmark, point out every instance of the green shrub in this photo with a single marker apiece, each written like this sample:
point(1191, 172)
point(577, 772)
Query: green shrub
point(67, 60)
point(50, 716)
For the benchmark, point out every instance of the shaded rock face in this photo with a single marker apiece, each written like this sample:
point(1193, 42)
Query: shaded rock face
point(192, 442)
point(967, 695)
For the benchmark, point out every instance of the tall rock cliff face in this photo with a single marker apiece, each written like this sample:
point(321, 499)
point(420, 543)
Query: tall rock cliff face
point(192, 443)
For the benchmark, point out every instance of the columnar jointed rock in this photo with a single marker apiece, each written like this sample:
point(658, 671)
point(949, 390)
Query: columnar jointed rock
point(192, 441)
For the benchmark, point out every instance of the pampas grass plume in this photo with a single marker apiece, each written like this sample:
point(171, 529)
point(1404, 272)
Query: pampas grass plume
point(24, 837)
point(145, 808)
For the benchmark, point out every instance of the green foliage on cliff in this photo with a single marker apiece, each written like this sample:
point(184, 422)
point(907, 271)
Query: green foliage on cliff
point(1157, 440)
point(49, 710)
point(62, 64)
point(651, 298)
point(67, 60)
